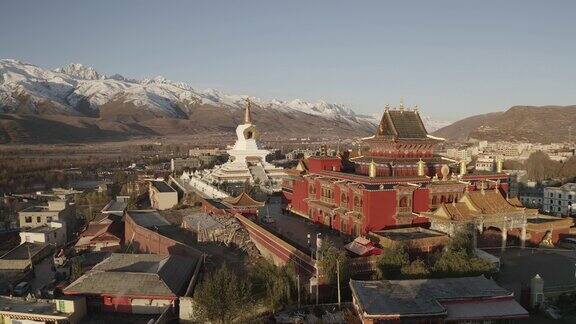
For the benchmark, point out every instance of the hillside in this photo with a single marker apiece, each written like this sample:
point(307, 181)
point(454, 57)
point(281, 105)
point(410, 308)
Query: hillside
point(542, 124)
point(76, 103)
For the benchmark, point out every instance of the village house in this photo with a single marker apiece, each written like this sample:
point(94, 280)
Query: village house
point(56, 210)
point(134, 283)
point(49, 311)
point(162, 196)
point(53, 232)
point(448, 300)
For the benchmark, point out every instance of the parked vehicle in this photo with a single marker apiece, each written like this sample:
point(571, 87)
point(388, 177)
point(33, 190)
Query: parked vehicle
point(567, 243)
point(22, 288)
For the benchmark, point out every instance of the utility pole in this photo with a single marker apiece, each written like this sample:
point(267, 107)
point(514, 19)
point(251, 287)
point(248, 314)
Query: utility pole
point(338, 279)
point(298, 283)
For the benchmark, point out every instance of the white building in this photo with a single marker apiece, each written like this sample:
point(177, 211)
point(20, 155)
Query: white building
point(247, 161)
point(560, 200)
point(51, 233)
point(162, 196)
point(485, 164)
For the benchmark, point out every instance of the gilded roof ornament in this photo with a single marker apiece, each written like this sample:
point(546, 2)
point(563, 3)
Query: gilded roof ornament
point(247, 112)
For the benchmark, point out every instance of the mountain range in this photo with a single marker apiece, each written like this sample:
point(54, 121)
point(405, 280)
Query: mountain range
point(535, 124)
point(77, 103)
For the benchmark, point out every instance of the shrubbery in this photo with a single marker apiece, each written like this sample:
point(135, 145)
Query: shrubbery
point(457, 260)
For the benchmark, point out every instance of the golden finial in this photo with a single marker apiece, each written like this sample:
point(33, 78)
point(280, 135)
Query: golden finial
point(401, 104)
point(416, 108)
point(372, 169)
point(386, 107)
point(247, 113)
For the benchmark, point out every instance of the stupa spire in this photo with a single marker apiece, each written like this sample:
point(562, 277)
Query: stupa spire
point(247, 112)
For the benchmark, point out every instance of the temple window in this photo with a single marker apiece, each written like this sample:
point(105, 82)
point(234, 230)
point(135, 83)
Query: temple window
point(357, 201)
point(434, 200)
point(343, 198)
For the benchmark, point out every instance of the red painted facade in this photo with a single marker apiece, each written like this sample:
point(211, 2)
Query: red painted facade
point(396, 177)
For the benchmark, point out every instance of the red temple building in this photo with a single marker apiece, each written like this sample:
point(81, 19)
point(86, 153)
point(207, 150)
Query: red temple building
point(395, 177)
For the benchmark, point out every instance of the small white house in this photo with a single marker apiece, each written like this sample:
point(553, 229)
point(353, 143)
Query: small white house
point(51, 233)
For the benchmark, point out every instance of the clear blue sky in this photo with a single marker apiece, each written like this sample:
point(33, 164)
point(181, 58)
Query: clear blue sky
point(452, 58)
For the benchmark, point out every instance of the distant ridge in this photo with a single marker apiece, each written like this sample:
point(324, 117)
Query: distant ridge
point(537, 124)
point(93, 106)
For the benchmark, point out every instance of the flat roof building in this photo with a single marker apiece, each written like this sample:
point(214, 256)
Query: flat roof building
point(162, 196)
point(20, 310)
point(56, 210)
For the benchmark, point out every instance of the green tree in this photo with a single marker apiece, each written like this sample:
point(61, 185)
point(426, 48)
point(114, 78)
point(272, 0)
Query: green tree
point(222, 296)
point(540, 167)
point(416, 269)
point(568, 171)
point(275, 285)
point(76, 270)
point(330, 261)
point(391, 261)
point(459, 259)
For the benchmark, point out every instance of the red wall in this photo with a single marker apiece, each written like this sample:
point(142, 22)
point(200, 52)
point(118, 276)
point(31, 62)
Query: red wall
point(148, 241)
point(300, 193)
point(420, 200)
point(379, 208)
point(557, 234)
point(317, 164)
point(116, 304)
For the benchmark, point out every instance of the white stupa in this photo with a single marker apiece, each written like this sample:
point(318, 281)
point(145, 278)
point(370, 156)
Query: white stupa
point(247, 161)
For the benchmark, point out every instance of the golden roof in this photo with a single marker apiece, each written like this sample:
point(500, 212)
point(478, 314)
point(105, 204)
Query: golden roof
point(242, 200)
point(490, 202)
point(457, 211)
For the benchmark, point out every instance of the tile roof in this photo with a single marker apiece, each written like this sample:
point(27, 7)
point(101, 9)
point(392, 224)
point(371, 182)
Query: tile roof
point(457, 211)
point(401, 124)
point(490, 202)
point(115, 207)
point(242, 200)
point(136, 275)
point(421, 297)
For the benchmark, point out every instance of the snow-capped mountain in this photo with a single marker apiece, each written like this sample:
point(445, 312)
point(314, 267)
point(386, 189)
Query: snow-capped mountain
point(80, 91)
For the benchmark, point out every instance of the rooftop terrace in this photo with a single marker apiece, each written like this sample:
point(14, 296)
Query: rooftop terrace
point(162, 186)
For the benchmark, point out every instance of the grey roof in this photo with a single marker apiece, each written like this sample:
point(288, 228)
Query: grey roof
point(420, 297)
point(162, 186)
point(148, 218)
point(37, 307)
point(115, 207)
point(24, 251)
point(136, 275)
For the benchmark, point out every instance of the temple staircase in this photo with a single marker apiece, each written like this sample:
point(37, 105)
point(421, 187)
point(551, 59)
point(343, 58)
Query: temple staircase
point(258, 172)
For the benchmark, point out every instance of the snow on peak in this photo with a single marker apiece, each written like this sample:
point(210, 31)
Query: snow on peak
point(79, 71)
point(75, 84)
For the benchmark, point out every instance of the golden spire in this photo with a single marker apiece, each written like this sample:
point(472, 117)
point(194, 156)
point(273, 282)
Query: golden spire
point(247, 113)
point(421, 168)
point(401, 104)
point(372, 169)
point(463, 170)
